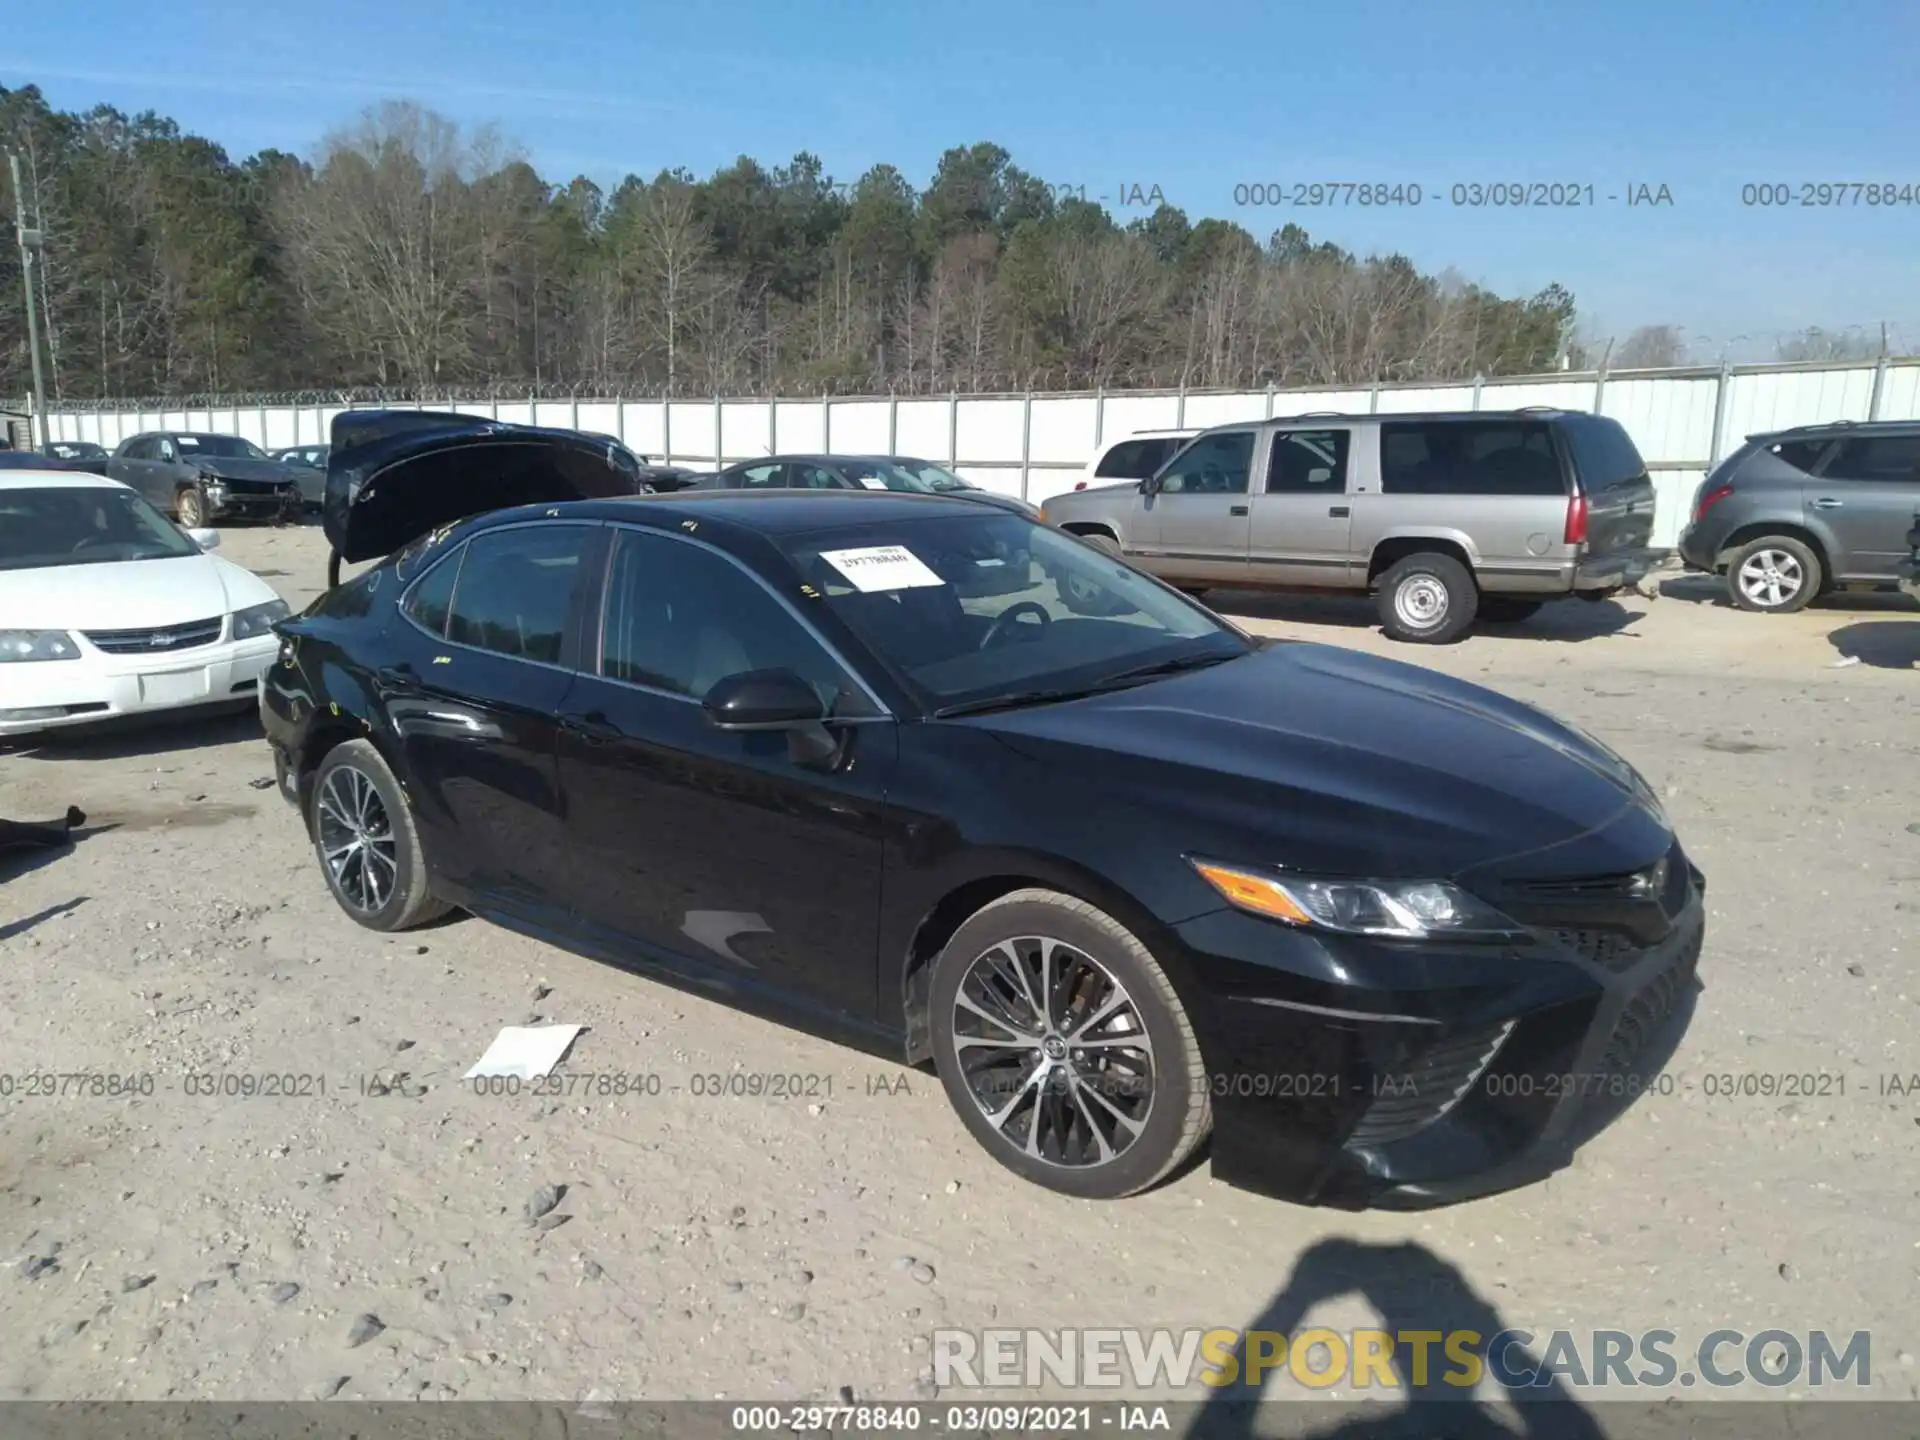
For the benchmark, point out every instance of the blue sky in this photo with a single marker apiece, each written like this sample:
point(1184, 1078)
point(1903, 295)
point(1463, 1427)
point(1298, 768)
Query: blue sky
point(1701, 96)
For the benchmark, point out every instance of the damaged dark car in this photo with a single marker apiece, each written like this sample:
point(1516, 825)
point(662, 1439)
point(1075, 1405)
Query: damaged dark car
point(1125, 881)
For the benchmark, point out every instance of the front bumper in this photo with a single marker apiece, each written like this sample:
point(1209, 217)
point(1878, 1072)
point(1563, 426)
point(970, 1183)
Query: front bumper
point(1615, 571)
point(1444, 1073)
point(226, 500)
point(57, 694)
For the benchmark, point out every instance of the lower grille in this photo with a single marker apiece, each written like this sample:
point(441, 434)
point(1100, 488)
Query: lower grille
point(1609, 949)
point(1429, 1087)
point(184, 636)
point(1651, 1006)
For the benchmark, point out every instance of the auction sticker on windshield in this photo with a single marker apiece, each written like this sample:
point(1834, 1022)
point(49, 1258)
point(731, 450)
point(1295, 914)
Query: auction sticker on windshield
point(872, 482)
point(882, 567)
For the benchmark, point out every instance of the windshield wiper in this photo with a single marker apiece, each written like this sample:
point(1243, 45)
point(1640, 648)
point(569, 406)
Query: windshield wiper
point(1124, 678)
point(1013, 701)
point(1165, 667)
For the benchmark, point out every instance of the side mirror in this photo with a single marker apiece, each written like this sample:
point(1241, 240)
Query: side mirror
point(764, 700)
point(206, 539)
point(1150, 486)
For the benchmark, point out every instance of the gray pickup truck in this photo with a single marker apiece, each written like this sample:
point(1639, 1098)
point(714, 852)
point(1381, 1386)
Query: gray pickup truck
point(1442, 517)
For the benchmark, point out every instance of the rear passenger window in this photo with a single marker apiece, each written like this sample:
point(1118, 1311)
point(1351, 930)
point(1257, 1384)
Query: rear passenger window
point(1894, 458)
point(1802, 454)
point(1132, 460)
point(515, 590)
point(1458, 457)
point(1308, 462)
point(428, 602)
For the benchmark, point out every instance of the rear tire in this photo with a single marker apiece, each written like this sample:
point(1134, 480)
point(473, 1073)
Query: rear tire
point(1774, 575)
point(1507, 609)
point(1053, 1125)
point(1427, 599)
point(191, 507)
point(364, 837)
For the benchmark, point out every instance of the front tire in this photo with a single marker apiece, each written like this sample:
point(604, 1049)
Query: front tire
point(190, 505)
point(1064, 1049)
point(364, 837)
point(1774, 575)
point(1427, 599)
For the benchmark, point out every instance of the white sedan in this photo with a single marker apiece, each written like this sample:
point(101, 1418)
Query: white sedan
point(108, 608)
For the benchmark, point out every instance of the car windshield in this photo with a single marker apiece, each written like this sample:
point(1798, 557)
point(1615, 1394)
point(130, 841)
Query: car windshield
point(935, 477)
point(230, 447)
point(977, 612)
point(83, 525)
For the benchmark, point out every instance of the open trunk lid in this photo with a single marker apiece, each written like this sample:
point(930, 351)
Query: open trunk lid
point(394, 475)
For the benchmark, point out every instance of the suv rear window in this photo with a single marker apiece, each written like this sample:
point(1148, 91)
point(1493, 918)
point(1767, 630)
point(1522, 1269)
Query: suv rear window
point(1603, 453)
point(1463, 457)
point(1134, 459)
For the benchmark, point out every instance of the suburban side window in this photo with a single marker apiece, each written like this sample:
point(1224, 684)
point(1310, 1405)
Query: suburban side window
point(1893, 458)
point(430, 600)
point(1211, 465)
point(515, 590)
point(1453, 457)
point(1308, 462)
point(1131, 460)
point(680, 618)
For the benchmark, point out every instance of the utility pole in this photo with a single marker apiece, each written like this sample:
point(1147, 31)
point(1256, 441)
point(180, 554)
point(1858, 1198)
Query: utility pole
point(30, 245)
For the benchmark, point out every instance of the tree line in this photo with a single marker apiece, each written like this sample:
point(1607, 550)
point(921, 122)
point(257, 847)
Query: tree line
point(411, 253)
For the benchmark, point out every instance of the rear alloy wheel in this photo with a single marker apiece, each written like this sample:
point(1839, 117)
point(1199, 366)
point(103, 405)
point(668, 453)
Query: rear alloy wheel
point(364, 836)
point(1774, 575)
point(1428, 599)
point(1064, 1048)
point(1507, 609)
point(191, 506)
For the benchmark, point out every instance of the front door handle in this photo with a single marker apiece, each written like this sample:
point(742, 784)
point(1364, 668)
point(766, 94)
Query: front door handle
point(1827, 502)
point(592, 727)
point(1236, 510)
point(1339, 511)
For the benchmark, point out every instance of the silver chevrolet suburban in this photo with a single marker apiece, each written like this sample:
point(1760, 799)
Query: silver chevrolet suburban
point(1443, 517)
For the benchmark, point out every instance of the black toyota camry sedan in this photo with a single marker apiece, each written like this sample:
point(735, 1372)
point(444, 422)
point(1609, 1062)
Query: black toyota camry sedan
point(1126, 882)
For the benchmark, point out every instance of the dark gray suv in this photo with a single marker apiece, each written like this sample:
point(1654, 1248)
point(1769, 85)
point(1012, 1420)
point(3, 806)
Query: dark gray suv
point(1795, 514)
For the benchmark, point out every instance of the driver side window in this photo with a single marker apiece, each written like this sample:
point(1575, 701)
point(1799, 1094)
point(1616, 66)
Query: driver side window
point(680, 618)
point(1212, 465)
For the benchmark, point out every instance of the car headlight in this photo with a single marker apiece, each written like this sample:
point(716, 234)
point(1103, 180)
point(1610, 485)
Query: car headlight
point(258, 619)
point(37, 645)
point(1397, 909)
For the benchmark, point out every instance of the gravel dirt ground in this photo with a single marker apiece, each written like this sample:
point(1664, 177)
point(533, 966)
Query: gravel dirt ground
point(432, 1241)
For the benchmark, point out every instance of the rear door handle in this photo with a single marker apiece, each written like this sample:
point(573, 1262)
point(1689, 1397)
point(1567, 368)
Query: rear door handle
point(1339, 511)
point(1827, 502)
point(1236, 510)
point(593, 727)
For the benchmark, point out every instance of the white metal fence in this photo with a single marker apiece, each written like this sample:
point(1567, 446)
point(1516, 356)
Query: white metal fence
point(1034, 445)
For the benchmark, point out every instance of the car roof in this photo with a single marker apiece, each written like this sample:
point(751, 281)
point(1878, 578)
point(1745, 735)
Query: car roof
point(838, 457)
point(760, 512)
point(56, 479)
point(1840, 427)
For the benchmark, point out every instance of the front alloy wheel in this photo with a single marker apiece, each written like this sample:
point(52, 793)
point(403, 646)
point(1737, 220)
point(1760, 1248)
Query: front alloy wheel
point(191, 505)
point(1064, 1049)
point(364, 836)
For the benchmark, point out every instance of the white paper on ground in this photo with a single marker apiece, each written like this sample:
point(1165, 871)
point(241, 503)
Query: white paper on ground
point(527, 1051)
point(882, 567)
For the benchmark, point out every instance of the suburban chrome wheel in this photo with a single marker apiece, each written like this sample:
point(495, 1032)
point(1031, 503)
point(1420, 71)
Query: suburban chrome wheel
point(1054, 1052)
point(1421, 602)
point(1770, 578)
point(356, 839)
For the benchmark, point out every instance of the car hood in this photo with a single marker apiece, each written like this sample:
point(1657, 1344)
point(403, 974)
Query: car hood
point(1344, 763)
point(394, 475)
point(242, 467)
point(128, 595)
point(1094, 492)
